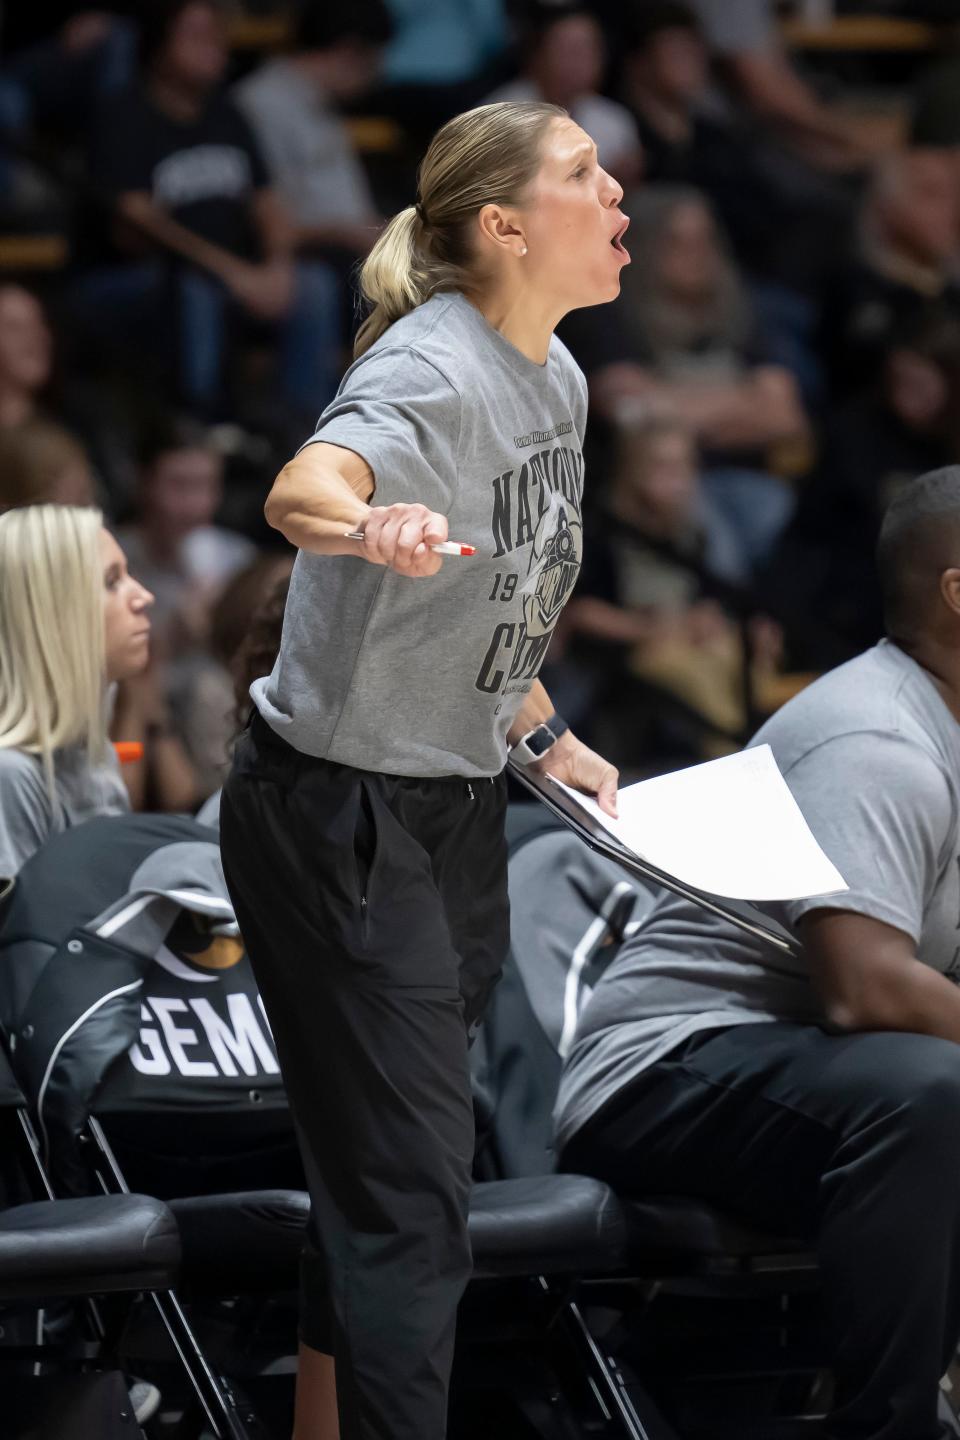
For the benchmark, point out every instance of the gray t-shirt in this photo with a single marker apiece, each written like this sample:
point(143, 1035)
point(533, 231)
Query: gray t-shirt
point(82, 791)
point(425, 676)
point(733, 26)
point(872, 755)
point(306, 145)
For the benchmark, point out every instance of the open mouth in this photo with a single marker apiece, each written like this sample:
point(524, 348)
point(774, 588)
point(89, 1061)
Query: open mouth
point(617, 240)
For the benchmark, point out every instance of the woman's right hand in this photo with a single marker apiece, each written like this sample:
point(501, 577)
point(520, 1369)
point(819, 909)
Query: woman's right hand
point(400, 536)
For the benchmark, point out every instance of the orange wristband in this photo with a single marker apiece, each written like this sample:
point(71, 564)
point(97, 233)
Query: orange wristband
point(128, 751)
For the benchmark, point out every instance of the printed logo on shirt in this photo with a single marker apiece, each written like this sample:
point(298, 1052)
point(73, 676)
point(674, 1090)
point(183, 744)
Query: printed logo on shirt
point(202, 172)
point(205, 1038)
point(541, 437)
point(554, 565)
point(536, 510)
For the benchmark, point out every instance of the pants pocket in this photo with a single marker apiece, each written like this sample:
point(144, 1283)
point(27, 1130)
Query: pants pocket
point(365, 844)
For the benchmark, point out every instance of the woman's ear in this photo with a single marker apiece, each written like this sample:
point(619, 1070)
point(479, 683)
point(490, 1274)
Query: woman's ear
point(500, 227)
point(950, 588)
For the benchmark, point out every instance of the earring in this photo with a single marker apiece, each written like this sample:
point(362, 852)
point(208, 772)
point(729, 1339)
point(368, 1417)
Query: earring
point(523, 249)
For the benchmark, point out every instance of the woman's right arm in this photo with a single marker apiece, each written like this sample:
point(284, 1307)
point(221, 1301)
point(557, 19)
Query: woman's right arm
point(325, 491)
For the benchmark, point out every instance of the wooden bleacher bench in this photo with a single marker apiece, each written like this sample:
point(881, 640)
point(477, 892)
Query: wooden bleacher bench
point(33, 252)
point(864, 32)
point(374, 134)
point(259, 32)
point(844, 32)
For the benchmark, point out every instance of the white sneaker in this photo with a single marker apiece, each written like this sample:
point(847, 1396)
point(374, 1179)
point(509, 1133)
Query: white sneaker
point(145, 1399)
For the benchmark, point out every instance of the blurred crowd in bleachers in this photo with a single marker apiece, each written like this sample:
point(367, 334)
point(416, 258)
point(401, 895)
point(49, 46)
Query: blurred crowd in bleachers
point(186, 189)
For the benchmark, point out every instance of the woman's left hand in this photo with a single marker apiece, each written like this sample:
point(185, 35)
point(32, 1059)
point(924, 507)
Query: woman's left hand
point(583, 769)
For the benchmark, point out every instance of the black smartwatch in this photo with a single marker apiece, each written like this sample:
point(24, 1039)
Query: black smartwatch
point(539, 741)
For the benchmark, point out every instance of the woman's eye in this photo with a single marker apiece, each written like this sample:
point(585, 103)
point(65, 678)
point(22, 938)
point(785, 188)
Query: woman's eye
point(579, 173)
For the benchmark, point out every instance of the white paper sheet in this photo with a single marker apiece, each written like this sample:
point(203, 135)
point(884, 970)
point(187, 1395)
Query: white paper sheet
point(730, 827)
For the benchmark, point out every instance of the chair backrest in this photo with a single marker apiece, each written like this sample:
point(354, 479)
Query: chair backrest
point(124, 990)
point(570, 911)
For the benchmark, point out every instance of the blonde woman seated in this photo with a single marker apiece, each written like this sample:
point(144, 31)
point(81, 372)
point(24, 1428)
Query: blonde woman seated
point(72, 622)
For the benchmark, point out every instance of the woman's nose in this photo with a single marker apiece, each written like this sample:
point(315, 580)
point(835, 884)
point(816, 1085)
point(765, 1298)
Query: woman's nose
point(613, 190)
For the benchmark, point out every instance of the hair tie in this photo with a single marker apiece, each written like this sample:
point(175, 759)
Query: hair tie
point(421, 213)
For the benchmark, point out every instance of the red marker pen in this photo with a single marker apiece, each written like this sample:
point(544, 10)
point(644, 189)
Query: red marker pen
point(445, 547)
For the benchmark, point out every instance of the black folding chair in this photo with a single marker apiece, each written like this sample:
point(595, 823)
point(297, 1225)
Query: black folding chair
point(72, 983)
point(85, 1249)
point(537, 1236)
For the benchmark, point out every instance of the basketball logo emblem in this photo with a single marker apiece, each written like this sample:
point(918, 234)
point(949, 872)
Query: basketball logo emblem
point(554, 565)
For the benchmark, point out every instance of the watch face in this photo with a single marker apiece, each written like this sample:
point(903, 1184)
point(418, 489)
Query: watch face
point(540, 740)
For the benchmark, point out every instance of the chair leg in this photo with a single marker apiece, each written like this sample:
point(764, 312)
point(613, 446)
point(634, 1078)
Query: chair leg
point(37, 1177)
point(604, 1376)
point(215, 1397)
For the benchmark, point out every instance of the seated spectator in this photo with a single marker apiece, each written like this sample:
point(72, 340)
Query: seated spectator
point(66, 56)
point(292, 104)
point(818, 1095)
point(26, 355)
point(657, 492)
point(822, 581)
point(907, 245)
point(200, 680)
point(172, 542)
point(68, 670)
point(564, 60)
point(662, 567)
point(777, 235)
point(43, 464)
point(443, 41)
point(683, 332)
point(682, 340)
point(443, 58)
point(72, 622)
point(188, 177)
point(665, 76)
point(742, 36)
point(59, 62)
point(255, 654)
point(36, 387)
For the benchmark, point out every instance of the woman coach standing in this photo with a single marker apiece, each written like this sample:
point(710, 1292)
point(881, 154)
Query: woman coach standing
point(362, 824)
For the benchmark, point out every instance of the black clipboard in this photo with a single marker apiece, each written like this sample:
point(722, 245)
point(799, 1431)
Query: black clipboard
point(591, 832)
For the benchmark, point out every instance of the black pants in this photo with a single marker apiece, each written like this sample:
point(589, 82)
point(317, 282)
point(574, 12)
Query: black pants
point(374, 911)
point(854, 1139)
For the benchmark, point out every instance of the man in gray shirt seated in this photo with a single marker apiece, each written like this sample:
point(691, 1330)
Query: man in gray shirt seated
point(821, 1096)
point(292, 103)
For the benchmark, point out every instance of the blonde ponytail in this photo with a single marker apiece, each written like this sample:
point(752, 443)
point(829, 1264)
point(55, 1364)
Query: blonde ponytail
point(396, 277)
point(487, 156)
